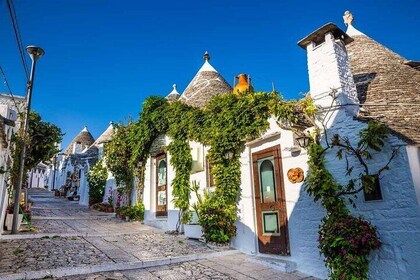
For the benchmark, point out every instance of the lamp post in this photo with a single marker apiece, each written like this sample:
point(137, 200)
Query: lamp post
point(35, 53)
point(55, 158)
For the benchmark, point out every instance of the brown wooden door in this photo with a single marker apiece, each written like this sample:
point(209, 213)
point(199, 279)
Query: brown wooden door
point(270, 202)
point(161, 186)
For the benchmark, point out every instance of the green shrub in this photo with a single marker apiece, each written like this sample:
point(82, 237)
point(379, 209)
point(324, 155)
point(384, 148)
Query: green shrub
point(217, 219)
point(135, 212)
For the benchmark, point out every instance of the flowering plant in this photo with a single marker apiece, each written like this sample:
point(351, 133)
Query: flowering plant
point(346, 242)
point(217, 218)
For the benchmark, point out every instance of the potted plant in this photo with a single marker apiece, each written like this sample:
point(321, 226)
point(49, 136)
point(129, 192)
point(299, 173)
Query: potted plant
point(9, 217)
point(192, 229)
point(109, 209)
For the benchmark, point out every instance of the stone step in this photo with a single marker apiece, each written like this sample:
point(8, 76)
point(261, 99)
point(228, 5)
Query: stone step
point(41, 195)
point(275, 263)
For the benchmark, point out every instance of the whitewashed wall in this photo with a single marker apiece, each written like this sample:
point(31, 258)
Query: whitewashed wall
point(9, 112)
point(303, 214)
point(413, 153)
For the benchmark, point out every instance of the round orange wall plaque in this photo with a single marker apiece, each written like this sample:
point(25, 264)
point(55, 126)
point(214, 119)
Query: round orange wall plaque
point(295, 175)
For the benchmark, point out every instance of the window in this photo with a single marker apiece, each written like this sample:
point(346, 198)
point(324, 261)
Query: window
point(161, 189)
point(197, 159)
point(375, 194)
point(162, 172)
point(270, 223)
point(267, 184)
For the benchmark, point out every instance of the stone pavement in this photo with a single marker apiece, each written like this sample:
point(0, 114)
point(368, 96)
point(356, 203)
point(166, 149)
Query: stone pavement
point(74, 240)
point(237, 266)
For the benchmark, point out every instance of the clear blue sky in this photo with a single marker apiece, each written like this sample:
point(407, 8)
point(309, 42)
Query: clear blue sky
point(104, 57)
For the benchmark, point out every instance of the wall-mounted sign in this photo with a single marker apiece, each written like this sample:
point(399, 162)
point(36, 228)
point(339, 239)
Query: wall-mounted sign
point(295, 175)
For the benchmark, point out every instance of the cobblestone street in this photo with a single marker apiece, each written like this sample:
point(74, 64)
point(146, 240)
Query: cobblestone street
point(75, 242)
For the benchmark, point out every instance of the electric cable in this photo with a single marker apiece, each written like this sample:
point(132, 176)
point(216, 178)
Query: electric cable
point(13, 19)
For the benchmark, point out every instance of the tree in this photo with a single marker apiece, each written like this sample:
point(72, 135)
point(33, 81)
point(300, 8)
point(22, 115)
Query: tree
point(41, 144)
point(43, 137)
point(97, 180)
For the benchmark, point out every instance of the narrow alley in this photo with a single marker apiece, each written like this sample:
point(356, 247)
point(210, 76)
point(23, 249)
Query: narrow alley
point(70, 241)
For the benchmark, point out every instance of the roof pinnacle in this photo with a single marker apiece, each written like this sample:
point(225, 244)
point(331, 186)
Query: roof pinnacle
point(206, 56)
point(348, 18)
point(348, 21)
point(173, 95)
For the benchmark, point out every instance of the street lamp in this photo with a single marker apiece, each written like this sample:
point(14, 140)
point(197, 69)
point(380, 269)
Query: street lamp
point(303, 141)
point(35, 53)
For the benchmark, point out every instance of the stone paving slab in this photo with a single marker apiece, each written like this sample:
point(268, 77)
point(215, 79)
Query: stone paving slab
point(46, 253)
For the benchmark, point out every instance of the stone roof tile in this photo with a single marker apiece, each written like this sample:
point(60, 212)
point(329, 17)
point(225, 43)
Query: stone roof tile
point(388, 88)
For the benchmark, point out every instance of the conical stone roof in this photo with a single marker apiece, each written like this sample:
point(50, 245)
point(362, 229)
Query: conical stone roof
point(388, 88)
point(206, 83)
point(106, 135)
point(173, 95)
point(84, 137)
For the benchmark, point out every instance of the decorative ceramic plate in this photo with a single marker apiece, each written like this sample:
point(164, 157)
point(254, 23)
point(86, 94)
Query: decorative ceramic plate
point(295, 175)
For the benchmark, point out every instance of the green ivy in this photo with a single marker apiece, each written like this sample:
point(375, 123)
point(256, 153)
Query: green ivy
point(227, 122)
point(118, 154)
point(179, 119)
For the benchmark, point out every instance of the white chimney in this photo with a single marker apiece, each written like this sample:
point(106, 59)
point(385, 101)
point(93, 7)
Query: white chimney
point(77, 148)
point(329, 69)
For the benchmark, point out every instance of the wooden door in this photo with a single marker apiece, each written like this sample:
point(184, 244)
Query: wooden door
point(270, 202)
point(161, 186)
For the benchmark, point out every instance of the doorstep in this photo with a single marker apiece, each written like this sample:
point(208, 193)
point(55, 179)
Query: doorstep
point(275, 263)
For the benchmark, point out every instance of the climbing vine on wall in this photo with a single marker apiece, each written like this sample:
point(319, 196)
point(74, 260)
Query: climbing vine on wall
point(225, 125)
point(118, 154)
point(346, 240)
point(179, 117)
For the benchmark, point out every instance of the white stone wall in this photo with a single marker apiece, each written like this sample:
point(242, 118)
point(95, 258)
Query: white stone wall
point(396, 216)
point(37, 178)
point(413, 153)
point(302, 213)
point(84, 186)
